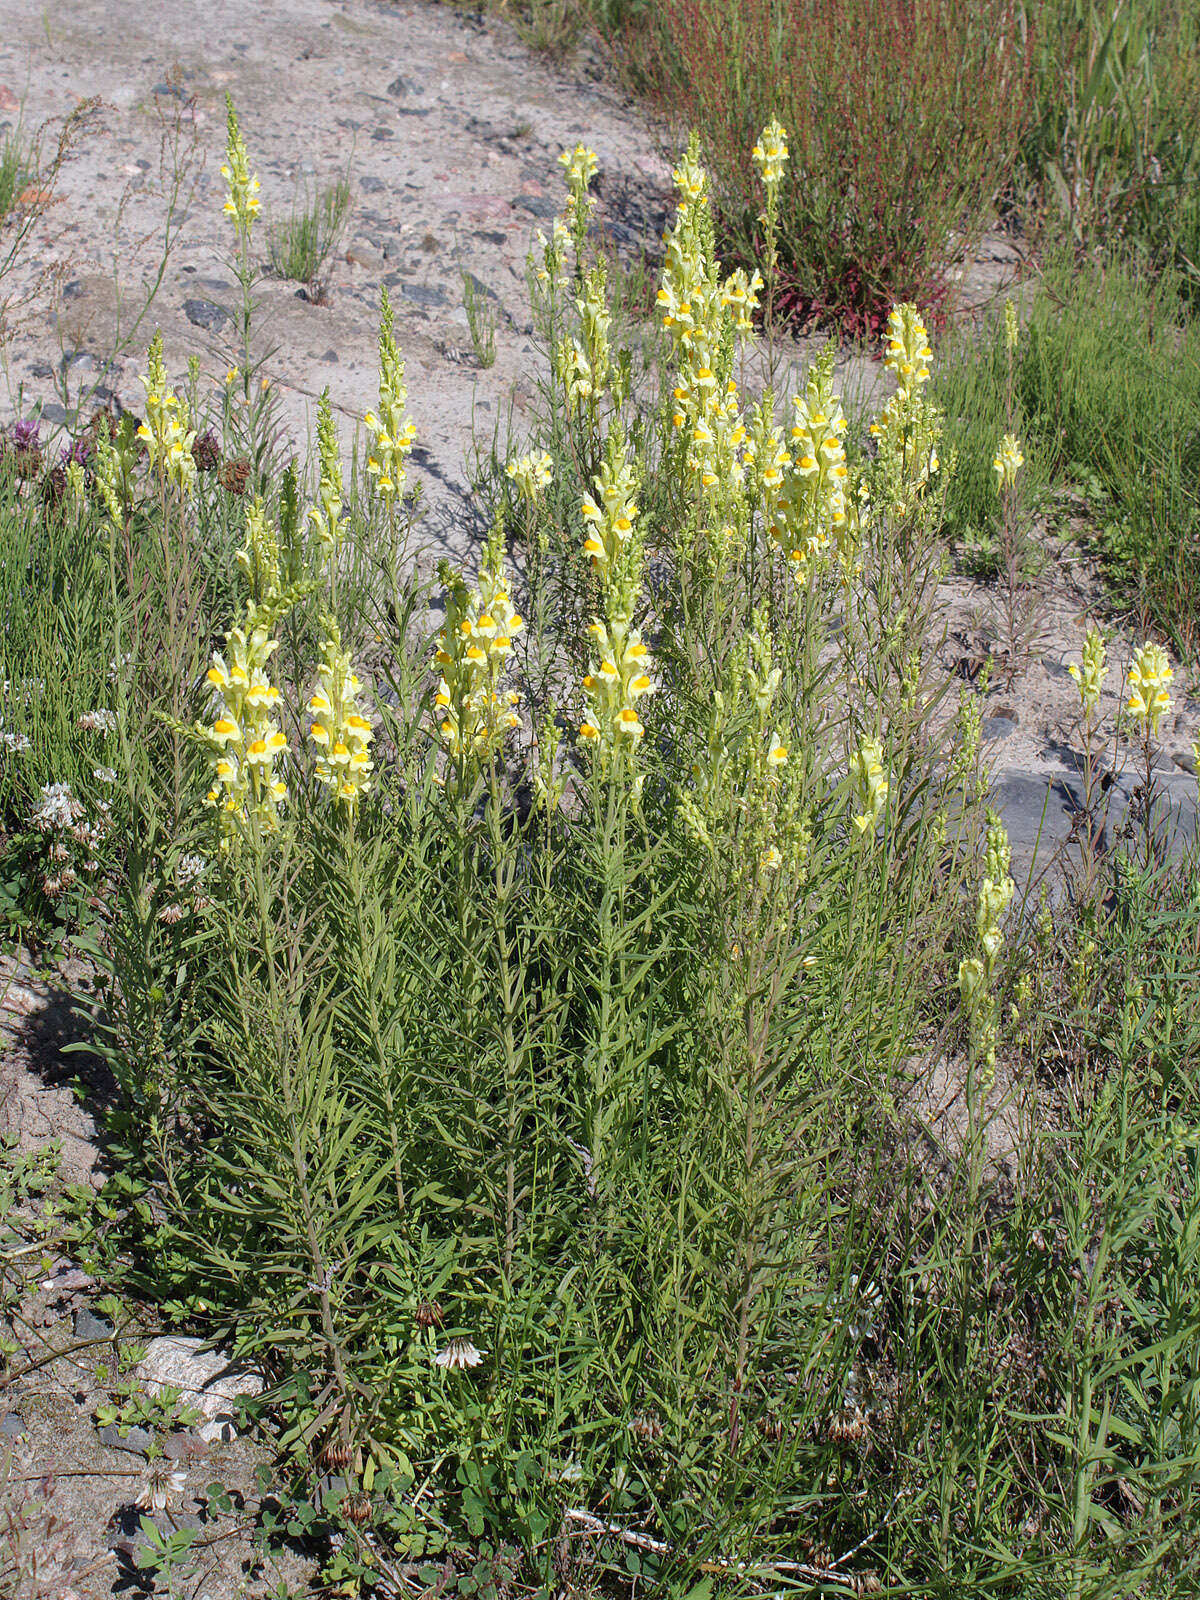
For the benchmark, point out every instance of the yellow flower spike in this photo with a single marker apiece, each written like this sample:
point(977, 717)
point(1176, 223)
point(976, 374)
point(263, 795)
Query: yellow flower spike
point(1007, 462)
point(1091, 672)
point(165, 431)
point(326, 515)
point(247, 742)
point(531, 474)
point(1149, 675)
point(344, 737)
point(242, 202)
point(393, 431)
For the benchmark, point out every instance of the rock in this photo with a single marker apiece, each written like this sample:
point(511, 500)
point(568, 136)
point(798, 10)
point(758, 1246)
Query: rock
point(380, 135)
point(89, 1326)
point(544, 209)
point(399, 89)
point(1185, 760)
point(11, 1426)
point(53, 413)
point(998, 727)
point(372, 185)
point(136, 1441)
point(204, 1378)
point(479, 286)
point(424, 294)
point(205, 314)
point(359, 256)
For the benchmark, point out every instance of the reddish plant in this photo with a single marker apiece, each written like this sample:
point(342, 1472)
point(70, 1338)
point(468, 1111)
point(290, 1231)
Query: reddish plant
point(903, 120)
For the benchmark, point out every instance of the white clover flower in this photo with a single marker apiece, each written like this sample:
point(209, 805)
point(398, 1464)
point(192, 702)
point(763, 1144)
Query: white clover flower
point(104, 774)
point(16, 744)
point(160, 1484)
point(458, 1354)
point(102, 720)
point(190, 869)
point(58, 808)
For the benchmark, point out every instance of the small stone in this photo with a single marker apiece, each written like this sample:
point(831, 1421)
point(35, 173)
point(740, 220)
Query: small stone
point(41, 369)
point(11, 1426)
point(1185, 760)
point(372, 185)
point(479, 286)
point(73, 290)
point(380, 135)
point(205, 314)
point(544, 209)
point(136, 1441)
point(330, 358)
point(399, 88)
point(53, 413)
point(359, 256)
point(998, 727)
point(89, 1326)
point(424, 294)
point(204, 1378)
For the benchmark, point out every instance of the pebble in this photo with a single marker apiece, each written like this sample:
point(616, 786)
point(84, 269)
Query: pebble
point(89, 1326)
point(136, 1442)
point(424, 294)
point(998, 727)
point(205, 314)
point(11, 1426)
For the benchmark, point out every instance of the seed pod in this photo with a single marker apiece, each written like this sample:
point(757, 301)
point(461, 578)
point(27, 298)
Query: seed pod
point(335, 1455)
point(356, 1508)
point(429, 1314)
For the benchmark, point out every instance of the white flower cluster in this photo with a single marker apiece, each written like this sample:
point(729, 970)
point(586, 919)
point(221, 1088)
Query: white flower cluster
point(57, 810)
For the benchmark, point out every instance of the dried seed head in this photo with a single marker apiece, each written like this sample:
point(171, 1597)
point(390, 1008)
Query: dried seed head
point(206, 452)
point(647, 1427)
point(429, 1314)
point(335, 1455)
point(233, 475)
point(356, 1508)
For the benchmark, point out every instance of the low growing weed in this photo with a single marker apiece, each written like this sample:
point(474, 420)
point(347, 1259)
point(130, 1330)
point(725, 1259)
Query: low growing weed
point(300, 246)
point(1102, 349)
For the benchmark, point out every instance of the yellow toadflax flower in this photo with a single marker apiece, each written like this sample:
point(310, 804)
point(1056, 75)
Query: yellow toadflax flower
point(472, 711)
point(611, 512)
point(1149, 676)
point(393, 432)
point(165, 432)
point(870, 785)
point(1007, 462)
point(908, 353)
point(242, 203)
point(340, 732)
point(531, 474)
point(1090, 674)
point(613, 689)
point(770, 153)
point(246, 739)
point(806, 485)
point(326, 515)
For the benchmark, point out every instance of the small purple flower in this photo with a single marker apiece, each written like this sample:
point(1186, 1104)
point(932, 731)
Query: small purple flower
point(23, 435)
point(80, 451)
